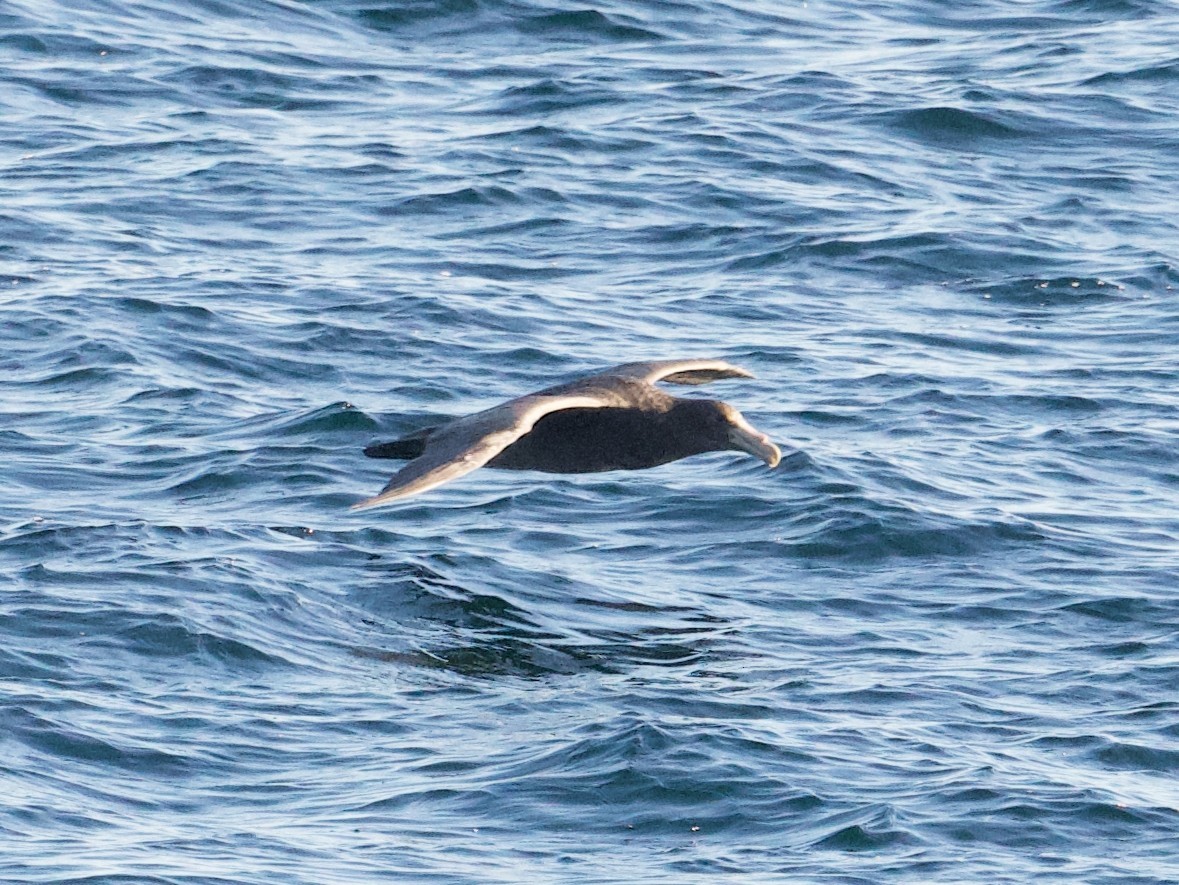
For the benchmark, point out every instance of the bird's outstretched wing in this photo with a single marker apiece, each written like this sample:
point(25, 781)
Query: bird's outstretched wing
point(678, 371)
point(468, 443)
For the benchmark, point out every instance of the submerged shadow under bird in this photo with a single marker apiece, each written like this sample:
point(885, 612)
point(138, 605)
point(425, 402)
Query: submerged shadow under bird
point(612, 420)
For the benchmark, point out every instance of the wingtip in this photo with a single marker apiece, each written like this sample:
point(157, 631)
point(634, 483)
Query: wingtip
point(388, 496)
point(734, 371)
point(775, 456)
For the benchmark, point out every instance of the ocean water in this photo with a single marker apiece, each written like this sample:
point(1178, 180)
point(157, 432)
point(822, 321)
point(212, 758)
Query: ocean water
point(240, 241)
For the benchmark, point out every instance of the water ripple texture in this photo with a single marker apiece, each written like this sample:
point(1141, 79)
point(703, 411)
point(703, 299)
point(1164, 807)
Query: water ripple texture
point(240, 241)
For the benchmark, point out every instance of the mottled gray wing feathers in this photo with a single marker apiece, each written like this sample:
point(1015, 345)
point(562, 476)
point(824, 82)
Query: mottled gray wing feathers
point(466, 444)
point(699, 371)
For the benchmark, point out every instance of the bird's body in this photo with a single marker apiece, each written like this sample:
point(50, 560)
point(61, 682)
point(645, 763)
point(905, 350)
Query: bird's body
point(612, 420)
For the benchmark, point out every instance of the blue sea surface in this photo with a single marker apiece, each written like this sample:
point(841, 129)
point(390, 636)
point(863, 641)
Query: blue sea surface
point(240, 241)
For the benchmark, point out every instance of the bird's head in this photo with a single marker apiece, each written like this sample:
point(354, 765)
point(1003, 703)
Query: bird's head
point(724, 428)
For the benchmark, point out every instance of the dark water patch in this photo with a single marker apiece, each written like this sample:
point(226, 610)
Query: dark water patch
point(228, 179)
point(1146, 449)
point(396, 17)
point(874, 533)
point(495, 229)
point(1125, 649)
point(1122, 756)
point(1160, 277)
point(1151, 74)
point(1120, 8)
point(860, 838)
point(28, 43)
point(1056, 293)
point(585, 24)
point(249, 87)
point(314, 425)
point(218, 477)
point(100, 90)
point(518, 270)
point(922, 257)
point(968, 15)
point(701, 234)
point(138, 152)
point(1121, 610)
point(527, 638)
point(956, 127)
point(1080, 405)
point(80, 379)
point(461, 200)
point(489, 659)
point(57, 740)
point(162, 402)
point(41, 533)
point(192, 315)
point(568, 139)
point(230, 361)
point(62, 45)
point(549, 96)
point(631, 761)
point(164, 636)
point(963, 342)
point(85, 358)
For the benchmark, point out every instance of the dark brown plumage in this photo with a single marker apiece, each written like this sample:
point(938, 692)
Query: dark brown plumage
point(612, 420)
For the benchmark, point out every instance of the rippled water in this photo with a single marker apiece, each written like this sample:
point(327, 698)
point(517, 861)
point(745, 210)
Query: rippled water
point(238, 242)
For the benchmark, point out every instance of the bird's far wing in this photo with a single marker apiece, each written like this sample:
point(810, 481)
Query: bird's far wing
point(679, 371)
point(468, 443)
point(405, 447)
